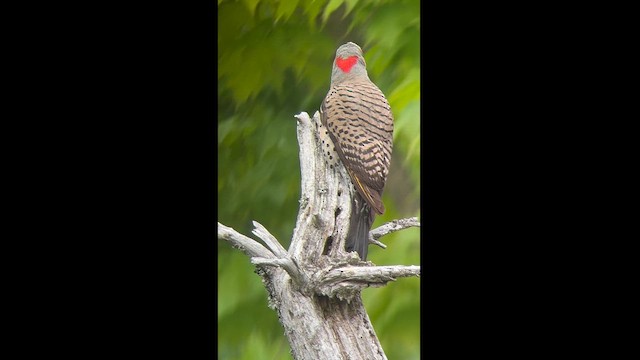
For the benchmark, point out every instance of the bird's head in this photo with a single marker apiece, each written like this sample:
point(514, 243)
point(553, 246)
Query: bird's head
point(349, 63)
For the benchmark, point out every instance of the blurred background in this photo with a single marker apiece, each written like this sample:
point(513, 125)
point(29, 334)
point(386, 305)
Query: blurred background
point(274, 61)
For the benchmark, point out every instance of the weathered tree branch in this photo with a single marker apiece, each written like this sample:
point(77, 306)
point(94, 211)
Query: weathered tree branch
point(390, 227)
point(315, 285)
point(246, 244)
point(393, 226)
point(269, 239)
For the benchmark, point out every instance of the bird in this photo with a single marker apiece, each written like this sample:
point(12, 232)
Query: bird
point(356, 129)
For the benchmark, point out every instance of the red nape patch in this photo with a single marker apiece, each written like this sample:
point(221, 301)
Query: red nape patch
point(346, 64)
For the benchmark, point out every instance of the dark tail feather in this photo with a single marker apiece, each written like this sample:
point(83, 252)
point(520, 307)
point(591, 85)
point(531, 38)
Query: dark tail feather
point(361, 220)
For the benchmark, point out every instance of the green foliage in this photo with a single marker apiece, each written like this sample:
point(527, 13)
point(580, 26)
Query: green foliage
point(274, 61)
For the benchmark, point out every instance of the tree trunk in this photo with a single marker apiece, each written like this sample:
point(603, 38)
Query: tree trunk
point(315, 286)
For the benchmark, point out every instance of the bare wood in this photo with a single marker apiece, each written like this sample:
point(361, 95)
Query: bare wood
point(315, 285)
point(391, 226)
point(376, 242)
point(246, 244)
point(269, 239)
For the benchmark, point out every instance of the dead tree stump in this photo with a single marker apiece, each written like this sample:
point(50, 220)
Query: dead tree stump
point(315, 285)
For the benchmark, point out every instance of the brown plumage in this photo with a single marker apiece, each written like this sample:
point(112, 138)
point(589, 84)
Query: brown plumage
point(357, 127)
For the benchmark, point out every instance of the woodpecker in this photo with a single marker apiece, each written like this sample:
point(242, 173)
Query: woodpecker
point(357, 130)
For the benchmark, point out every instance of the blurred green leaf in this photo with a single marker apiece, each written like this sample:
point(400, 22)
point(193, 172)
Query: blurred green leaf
point(332, 6)
point(407, 91)
point(351, 4)
point(312, 10)
point(285, 9)
point(251, 5)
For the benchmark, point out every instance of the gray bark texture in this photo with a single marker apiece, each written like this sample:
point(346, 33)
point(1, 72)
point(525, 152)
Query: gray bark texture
point(315, 285)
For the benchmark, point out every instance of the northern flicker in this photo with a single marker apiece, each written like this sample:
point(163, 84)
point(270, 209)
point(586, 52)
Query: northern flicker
point(357, 130)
